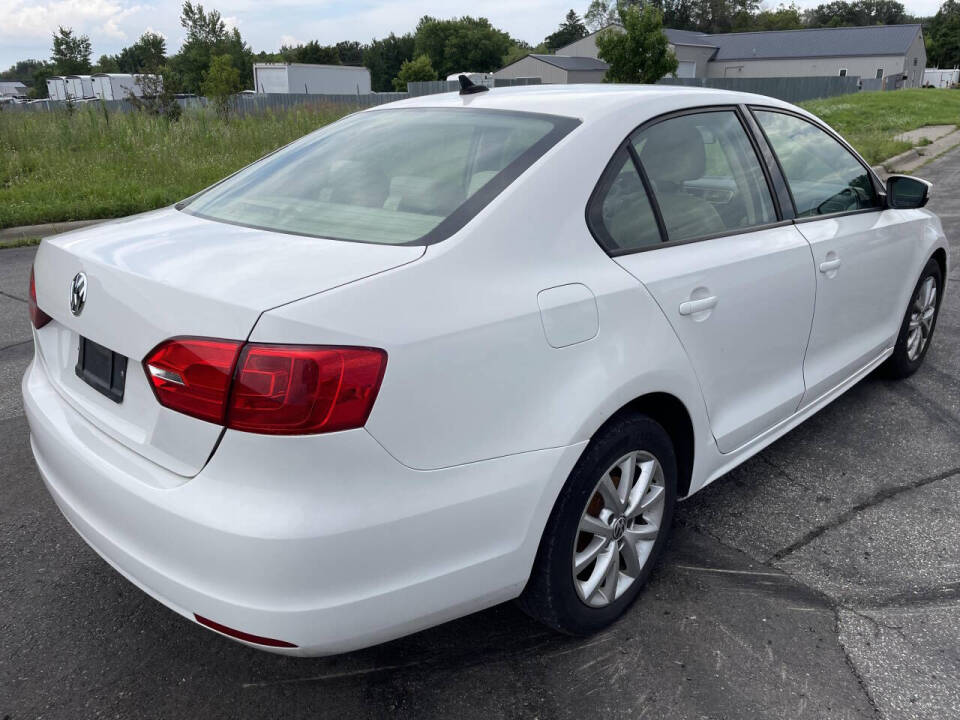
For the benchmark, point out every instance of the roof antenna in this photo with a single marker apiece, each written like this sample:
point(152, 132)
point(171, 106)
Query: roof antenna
point(468, 88)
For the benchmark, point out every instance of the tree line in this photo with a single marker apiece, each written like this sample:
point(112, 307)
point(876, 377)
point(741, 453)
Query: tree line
point(214, 55)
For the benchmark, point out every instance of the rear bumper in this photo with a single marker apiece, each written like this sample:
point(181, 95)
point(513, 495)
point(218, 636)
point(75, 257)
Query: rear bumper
point(325, 541)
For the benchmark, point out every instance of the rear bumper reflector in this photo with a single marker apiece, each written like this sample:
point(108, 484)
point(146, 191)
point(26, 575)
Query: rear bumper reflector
point(240, 635)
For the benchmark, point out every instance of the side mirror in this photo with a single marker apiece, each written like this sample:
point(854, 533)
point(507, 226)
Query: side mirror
point(905, 192)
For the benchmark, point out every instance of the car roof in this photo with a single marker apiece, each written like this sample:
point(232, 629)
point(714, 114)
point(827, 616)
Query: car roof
point(588, 101)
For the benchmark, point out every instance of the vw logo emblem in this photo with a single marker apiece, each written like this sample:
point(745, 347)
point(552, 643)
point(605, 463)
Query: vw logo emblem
point(78, 293)
point(619, 526)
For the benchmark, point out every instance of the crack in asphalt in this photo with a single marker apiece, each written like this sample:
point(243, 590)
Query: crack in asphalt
point(13, 297)
point(926, 404)
point(878, 497)
point(16, 344)
point(853, 666)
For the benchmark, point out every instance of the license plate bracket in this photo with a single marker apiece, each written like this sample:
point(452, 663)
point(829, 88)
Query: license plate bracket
point(102, 369)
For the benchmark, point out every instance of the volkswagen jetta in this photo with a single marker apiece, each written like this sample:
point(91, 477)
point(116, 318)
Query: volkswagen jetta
point(463, 349)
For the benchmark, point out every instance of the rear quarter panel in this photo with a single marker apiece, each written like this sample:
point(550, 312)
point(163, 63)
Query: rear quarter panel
point(471, 374)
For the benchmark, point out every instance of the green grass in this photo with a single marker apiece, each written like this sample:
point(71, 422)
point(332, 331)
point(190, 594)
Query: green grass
point(19, 242)
point(870, 120)
point(58, 166)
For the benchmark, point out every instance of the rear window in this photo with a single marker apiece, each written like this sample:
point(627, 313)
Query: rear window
point(403, 176)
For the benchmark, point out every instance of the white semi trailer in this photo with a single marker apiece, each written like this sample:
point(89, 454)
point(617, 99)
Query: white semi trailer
point(56, 88)
point(118, 86)
point(310, 79)
point(79, 86)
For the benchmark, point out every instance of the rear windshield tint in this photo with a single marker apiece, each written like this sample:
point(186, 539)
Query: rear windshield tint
point(403, 176)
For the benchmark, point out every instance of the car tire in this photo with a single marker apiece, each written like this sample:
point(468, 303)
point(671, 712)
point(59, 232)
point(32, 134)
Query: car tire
point(556, 594)
point(919, 321)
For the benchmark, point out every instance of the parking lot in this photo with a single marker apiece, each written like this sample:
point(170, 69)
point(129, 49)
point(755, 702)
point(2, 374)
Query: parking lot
point(819, 580)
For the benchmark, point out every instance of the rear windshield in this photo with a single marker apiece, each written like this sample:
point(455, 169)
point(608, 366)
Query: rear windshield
point(403, 176)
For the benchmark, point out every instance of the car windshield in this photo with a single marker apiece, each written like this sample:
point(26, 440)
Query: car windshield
point(402, 176)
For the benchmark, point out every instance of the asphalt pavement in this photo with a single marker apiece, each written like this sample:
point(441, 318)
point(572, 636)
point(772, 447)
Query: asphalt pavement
point(821, 579)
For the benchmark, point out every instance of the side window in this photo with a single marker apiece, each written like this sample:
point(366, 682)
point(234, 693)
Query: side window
point(620, 213)
point(823, 176)
point(705, 175)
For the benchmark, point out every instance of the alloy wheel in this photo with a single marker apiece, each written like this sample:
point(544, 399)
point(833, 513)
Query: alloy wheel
point(924, 308)
point(618, 528)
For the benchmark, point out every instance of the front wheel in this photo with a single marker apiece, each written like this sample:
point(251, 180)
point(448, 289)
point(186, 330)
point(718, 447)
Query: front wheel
point(919, 322)
point(607, 529)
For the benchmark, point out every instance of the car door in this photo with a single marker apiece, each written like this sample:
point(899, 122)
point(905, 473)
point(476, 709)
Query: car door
point(861, 250)
point(686, 208)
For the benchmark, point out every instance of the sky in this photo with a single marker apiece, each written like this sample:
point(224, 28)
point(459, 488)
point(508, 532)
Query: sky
point(26, 26)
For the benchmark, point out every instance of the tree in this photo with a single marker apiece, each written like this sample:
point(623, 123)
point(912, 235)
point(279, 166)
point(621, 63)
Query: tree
point(639, 54)
point(601, 14)
point(860, 12)
point(350, 52)
point(71, 53)
point(107, 64)
point(148, 52)
point(313, 52)
point(414, 70)
point(571, 29)
point(23, 70)
point(220, 82)
point(40, 76)
point(943, 36)
point(520, 50)
point(207, 37)
point(784, 17)
point(383, 58)
point(464, 45)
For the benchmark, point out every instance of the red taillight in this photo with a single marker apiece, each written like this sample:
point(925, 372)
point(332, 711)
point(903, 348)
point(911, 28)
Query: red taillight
point(37, 316)
point(294, 390)
point(271, 389)
point(192, 375)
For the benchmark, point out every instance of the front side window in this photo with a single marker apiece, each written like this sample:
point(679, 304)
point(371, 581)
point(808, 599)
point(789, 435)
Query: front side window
point(879, 73)
point(389, 176)
point(705, 175)
point(824, 177)
point(843, 72)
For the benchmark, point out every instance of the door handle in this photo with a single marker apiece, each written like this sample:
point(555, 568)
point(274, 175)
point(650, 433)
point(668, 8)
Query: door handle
point(828, 265)
point(694, 306)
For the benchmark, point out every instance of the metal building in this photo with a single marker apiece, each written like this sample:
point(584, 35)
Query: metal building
point(893, 52)
point(311, 79)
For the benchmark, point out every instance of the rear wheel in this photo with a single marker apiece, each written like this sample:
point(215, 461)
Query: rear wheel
point(607, 529)
point(919, 322)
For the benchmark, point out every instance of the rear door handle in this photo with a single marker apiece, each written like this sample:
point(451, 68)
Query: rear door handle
point(694, 306)
point(828, 265)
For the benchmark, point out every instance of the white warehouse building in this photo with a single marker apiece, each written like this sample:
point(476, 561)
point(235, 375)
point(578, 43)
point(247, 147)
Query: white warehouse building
point(291, 78)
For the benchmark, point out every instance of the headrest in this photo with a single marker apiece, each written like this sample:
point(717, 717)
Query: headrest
point(673, 152)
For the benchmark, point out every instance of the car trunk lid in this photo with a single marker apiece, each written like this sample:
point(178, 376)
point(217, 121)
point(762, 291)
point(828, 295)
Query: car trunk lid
point(168, 274)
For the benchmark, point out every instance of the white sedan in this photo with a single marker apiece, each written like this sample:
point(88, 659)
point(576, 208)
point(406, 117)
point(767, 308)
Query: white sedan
point(463, 349)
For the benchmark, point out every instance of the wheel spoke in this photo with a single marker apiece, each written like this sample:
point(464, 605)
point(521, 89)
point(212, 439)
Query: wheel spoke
point(631, 559)
point(653, 499)
point(628, 468)
point(636, 499)
point(609, 493)
point(612, 577)
point(607, 558)
point(641, 532)
point(586, 556)
point(595, 526)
